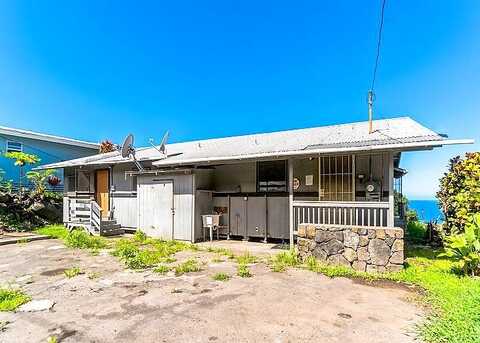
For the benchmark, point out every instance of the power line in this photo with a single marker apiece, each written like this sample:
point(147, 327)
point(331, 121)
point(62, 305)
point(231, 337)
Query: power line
point(379, 43)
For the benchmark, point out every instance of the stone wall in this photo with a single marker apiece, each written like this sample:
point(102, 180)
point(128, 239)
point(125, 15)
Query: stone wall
point(361, 248)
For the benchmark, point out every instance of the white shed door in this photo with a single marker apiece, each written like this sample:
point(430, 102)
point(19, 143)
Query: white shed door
point(155, 209)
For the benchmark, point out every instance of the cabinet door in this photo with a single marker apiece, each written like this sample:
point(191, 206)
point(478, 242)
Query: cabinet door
point(278, 217)
point(238, 223)
point(256, 216)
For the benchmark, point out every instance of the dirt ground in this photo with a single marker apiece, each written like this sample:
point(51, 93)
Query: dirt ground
point(127, 306)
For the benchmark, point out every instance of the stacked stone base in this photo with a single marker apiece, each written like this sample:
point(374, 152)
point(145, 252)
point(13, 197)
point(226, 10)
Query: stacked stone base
point(361, 248)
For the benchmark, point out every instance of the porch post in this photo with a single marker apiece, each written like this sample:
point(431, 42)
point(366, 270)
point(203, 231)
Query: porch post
point(391, 205)
point(290, 200)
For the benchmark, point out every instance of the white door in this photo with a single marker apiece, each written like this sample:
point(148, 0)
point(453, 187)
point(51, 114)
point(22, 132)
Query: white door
point(155, 209)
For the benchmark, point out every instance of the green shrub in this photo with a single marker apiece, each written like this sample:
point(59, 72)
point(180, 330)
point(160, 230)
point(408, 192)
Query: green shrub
point(188, 266)
point(416, 231)
point(11, 299)
point(139, 236)
point(82, 240)
point(243, 271)
point(459, 193)
point(464, 248)
point(221, 277)
point(72, 272)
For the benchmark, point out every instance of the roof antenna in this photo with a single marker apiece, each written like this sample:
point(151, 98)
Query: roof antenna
point(371, 98)
point(371, 93)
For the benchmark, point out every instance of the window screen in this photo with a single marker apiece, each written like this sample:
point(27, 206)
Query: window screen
point(336, 178)
point(14, 146)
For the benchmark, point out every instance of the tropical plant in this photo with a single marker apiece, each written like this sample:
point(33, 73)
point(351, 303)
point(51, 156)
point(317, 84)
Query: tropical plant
point(21, 160)
point(459, 193)
point(106, 146)
point(40, 179)
point(465, 247)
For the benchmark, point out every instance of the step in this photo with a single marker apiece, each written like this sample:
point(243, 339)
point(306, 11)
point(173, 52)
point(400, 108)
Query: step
point(110, 226)
point(108, 221)
point(113, 232)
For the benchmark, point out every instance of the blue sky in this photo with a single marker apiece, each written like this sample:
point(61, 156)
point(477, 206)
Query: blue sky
point(96, 70)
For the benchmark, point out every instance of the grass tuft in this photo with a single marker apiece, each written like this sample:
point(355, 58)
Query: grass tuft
point(72, 272)
point(221, 277)
point(243, 271)
point(281, 261)
point(162, 269)
point(246, 258)
point(190, 265)
point(11, 299)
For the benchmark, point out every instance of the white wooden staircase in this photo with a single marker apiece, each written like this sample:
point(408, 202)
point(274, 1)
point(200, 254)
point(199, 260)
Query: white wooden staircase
point(86, 213)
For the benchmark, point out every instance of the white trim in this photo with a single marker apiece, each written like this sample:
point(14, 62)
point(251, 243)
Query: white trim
point(47, 138)
point(290, 202)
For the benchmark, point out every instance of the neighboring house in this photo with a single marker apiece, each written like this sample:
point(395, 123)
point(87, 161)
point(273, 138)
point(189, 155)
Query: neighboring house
point(49, 148)
point(263, 185)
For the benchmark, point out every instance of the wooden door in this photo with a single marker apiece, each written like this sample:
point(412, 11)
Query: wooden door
point(101, 191)
point(155, 209)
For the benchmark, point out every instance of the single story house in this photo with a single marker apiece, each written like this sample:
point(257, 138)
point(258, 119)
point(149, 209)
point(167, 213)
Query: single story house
point(49, 148)
point(263, 185)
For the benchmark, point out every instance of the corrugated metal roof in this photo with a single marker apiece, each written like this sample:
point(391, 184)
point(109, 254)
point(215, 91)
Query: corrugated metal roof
point(394, 132)
point(46, 137)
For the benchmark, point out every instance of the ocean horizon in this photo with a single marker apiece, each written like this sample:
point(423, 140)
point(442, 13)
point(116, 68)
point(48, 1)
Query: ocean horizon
point(427, 209)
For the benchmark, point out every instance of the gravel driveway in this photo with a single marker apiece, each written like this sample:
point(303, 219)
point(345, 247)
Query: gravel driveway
point(118, 305)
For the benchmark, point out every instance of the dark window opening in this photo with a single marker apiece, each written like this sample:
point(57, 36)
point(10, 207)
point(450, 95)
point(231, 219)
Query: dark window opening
point(272, 176)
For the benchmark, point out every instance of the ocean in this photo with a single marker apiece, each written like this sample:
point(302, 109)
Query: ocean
point(427, 209)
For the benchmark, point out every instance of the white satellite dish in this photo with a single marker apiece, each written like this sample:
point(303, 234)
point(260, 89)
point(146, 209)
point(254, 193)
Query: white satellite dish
point(162, 147)
point(128, 150)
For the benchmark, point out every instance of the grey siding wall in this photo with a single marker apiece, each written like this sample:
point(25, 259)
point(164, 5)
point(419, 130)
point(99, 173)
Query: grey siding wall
point(124, 196)
point(236, 177)
point(182, 201)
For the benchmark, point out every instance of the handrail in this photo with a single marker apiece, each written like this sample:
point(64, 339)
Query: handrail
point(95, 216)
point(347, 204)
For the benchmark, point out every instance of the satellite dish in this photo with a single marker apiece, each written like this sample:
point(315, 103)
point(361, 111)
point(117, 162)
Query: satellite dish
point(127, 146)
point(128, 150)
point(162, 147)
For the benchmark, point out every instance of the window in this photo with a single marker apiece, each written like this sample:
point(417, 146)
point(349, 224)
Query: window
point(336, 178)
point(272, 176)
point(14, 146)
point(83, 181)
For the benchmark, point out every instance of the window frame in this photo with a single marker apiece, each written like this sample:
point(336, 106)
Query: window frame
point(8, 149)
point(271, 188)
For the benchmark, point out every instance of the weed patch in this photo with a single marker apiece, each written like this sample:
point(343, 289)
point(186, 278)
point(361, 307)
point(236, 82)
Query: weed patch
point(188, 266)
point(11, 299)
point(72, 272)
point(246, 258)
point(82, 240)
point(243, 271)
point(281, 261)
point(53, 231)
point(162, 269)
point(221, 277)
